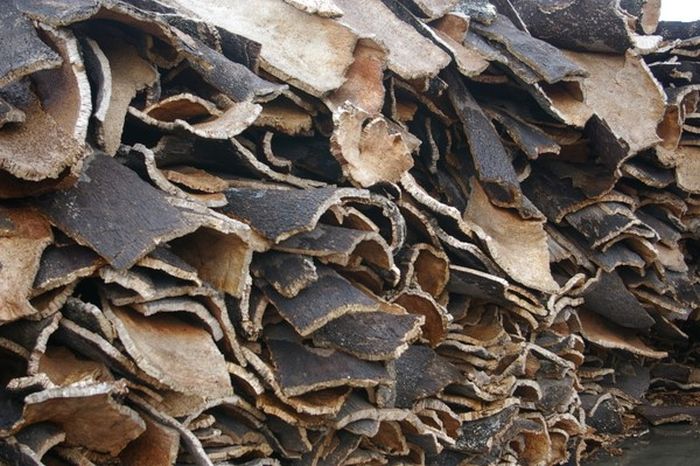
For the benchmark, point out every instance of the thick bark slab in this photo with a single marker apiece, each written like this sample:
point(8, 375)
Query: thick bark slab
point(20, 255)
point(301, 369)
point(23, 51)
point(328, 298)
point(79, 213)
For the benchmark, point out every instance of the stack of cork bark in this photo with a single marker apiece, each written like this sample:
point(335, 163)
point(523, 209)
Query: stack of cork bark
point(344, 232)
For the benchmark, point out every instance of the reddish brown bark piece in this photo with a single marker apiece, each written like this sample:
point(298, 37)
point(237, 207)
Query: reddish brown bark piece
point(20, 254)
point(88, 413)
point(171, 351)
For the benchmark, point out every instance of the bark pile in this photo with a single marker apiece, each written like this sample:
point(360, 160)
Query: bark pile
point(342, 232)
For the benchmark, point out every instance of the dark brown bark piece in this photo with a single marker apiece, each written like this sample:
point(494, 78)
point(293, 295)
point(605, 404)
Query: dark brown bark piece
point(659, 415)
point(602, 222)
point(609, 297)
point(61, 265)
point(481, 435)
point(600, 332)
point(288, 274)
point(420, 373)
point(139, 218)
point(545, 59)
point(41, 437)
point(328, 298)
point(281, 213)
point(231, 78)
point(603, 28)
point(301, 369)
point(23, 52)
point(531, 140)
point(491, 161)
point(340, 245)
point(436, 319)
point(373, 336)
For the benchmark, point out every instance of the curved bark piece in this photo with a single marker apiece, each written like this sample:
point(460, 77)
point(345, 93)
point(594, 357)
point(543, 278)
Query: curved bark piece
point(364, 79)
point(288, 274)
point(605, 28)
point(477, 284)
point(602, 222)
point(420, 373)
point(219, 249)
point(450, 31)
point(490, 159)
point(328, 298)
point(222, 124)
point(23, 51)
point(40, 148)
point(128, 74)
point(62, 265)
point(301, 369)
point(529, 138)
point(285, 117)
point(156, 446)
point(20, 255)
point(411, 55)
point(518, 246)
point(195, 179)
point(280, 213)
point(171, 351)
point(369, 152)
point(164, 259)
point(229, 77)
point(328, 56)
point(436, 318)
point(427, 267)
point(65, 91)
point(622, 91)
point(63, 368)
point(372, 336)
point(189, 440)
point(608, 335)
point(544, 59)
point(142, 161)
point(341, 246)
point(609, 297)
point(182, 304)
point(133, 203)
point(88, 413)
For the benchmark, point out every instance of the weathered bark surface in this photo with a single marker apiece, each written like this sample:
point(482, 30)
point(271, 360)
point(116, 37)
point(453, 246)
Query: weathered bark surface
point(337, 232)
